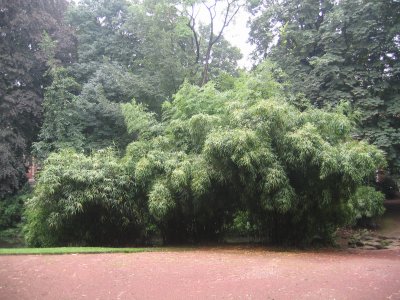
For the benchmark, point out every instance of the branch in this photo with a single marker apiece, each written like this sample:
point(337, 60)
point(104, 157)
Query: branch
point(213, 13)
point(192, 25)
point(227, 19)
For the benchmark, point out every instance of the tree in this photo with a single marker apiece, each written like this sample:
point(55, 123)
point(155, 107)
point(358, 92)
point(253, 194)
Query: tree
point(62, 126)
point(223, 59)
point(129, 40)
point(21, 87)
point(87, 116)
point(83, 118)
point(165, 50)
point(204, 55)
point(99, 107)
point(114, 39)
point(99, 29)
point(339, 50)
point(156, 46)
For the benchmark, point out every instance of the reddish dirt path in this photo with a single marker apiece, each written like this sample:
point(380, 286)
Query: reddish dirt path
point(224, 273)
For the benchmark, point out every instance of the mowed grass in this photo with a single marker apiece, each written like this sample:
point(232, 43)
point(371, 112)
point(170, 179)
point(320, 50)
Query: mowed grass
point(73, 250)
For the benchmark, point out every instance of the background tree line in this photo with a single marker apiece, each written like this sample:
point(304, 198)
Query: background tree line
point(271, 152)
point(336, 51)
point(82, 62)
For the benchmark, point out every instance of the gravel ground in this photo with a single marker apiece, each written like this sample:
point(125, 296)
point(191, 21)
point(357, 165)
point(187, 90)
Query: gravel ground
point(207, 273)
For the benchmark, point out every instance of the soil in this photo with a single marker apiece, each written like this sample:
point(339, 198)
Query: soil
point(230, 272)
point(210, 273)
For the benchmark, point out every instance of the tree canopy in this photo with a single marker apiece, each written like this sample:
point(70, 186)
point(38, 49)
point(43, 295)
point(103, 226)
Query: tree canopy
point(339, 50)
point(22, 67)
point(127, 50)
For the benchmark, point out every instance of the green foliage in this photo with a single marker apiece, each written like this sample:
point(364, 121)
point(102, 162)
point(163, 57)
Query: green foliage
point(149, 56)
point(165, 53)
point(213, 54)
point(367, 203)
point(160, 201)
point(100, 31)
point(84, 200)
point(243, 225)
point(48, 47)
point(11, 209)
point(101, 118)
point(217, 159)
point(62, 127)
point(11, 217)
point(247, 149)
point(225, 59)
point(137, 119)
point(82, 118)
point(22, 65)
point(337, 51)
point(126, 50)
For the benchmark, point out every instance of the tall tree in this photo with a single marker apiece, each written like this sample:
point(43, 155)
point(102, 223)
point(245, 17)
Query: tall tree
point(340, 50)
point(127, 50)
point(99, 28)
point(22, 65)
point(164, 53)
point(224, 10)
point(141, 38)
point(62, 126)
point(223, 58)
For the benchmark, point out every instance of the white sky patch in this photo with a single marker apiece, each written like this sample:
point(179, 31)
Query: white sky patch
point(237, 32)
point(238, 35)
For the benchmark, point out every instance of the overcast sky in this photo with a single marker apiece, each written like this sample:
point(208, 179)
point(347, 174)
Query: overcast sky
point(237, 33)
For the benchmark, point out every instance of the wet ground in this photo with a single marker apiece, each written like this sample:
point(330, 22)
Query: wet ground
point(207, 273)
point(370, 270)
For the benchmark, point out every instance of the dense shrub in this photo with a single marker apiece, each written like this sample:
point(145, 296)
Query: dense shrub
point(296, 173)
point(84, 200)
point(11, 208)
point(216, 159)
point(11, 217)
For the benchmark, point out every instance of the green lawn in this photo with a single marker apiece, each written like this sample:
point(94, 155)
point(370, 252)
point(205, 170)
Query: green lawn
point(72, 250)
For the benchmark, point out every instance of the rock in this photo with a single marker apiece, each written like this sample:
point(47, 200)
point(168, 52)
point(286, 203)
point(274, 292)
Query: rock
point(369, 248)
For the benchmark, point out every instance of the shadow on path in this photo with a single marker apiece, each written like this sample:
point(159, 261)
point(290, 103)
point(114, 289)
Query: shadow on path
point(389, 223)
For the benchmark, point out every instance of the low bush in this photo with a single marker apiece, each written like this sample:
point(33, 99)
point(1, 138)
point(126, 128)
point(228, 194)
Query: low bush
point(11, 217)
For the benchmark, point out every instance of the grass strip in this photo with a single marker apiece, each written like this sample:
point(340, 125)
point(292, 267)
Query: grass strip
point(72, 250)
